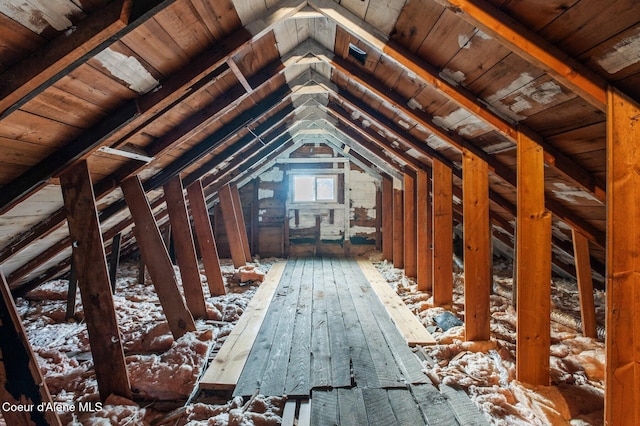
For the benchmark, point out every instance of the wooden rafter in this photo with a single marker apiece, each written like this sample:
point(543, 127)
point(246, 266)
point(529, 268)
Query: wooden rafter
point(533, 48)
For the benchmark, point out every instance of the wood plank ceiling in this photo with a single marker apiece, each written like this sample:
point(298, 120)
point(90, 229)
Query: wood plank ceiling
point(209, 89)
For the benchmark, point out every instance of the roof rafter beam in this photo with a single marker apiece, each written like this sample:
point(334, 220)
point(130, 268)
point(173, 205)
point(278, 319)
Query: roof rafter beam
point(138, 113)
point(465, 99)
point(533, 48)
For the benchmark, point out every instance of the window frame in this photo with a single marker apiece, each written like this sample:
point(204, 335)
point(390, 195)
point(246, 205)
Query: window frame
point(315, 176)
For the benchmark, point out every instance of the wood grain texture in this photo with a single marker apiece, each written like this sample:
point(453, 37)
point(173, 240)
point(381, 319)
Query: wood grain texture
point(156, 258)
point(185, 248)
point(93, 280)
point(206, 239)
point(423, 237)
point(387, 218)
point(22, 379)
point(477, 238)
point(237, 205)
point(442, 234)
point(398, 229)
point(410, 226)
point(622, 394)
point(232, 227)
point(533, 267)
point(585, 284)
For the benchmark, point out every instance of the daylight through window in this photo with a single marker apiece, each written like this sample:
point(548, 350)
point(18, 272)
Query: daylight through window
point(314, 188)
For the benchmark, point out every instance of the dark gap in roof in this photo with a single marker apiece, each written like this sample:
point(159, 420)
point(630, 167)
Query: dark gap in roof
point(359, 54)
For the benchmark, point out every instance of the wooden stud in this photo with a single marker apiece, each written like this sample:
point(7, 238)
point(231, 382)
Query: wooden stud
point(585, 284)
point(387, 218)
point(156, 258)
point(378, 218)
point(533, 338)
point(442, 234)
point(72, 292)
point(423, 240)
point(231, 226)
point(410, 228)
point(477, 238)
point(398, 229)
point(141, 268)
point(622, 391)
point(114, 261)
point(184, 247)
point(237, 205)
point(206, 240)
point(93, 280)
point(22, 381)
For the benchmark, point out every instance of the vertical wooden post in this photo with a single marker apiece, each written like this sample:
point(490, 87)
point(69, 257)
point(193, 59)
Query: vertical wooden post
point(22, 379)
point(114, 261)
point(442, 234)
point(185, 248)
point(72, 291)
point(622, 391)
point(410, 226)
point(477, 275)
point(232, 227)
point(423, 242)
point(585, 284)
point(206, 240)
point(237, 205)
point(141, 268)
point(156, 258)
point(514, 281)
point(533, 338)
point(387, 218)
point(93, 280)
point(378, 218)
point(255, 216)
point(398, 229)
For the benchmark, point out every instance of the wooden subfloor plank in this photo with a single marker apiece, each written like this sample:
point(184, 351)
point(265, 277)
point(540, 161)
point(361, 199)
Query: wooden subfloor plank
point(379, 411)
point(338, 345)
point(404, 407)
point(252, 375)
point(363, 367)
point(275, 372)
point(298, 375)
point(351, 407)
point(289, 412)
point(224, 371)
point(408, 324)
point(324, 407)
point(320, 347)
point(433, 405)
point(463, 408)
point(304, 415)
point(387, 370)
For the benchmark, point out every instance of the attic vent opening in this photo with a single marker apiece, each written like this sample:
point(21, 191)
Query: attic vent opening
point(357, 53)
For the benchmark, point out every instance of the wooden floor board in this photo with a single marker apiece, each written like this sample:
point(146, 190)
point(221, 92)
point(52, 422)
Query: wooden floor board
point(338, 345)
point(298, 373)
point(433, 405)
point(405, 407)
point(277, 363)
point(324, 407)
point(320, 355)
point(379, 410)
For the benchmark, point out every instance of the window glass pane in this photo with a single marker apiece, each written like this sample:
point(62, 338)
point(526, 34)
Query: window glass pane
point(325, 189)
point(303, 188)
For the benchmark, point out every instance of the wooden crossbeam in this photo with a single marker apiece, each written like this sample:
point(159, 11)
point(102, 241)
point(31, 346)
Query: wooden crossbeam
point(206, 239)
point(156, 258)
point(410, 226)
point(93, 280)
point(442, 234)
point(533, 48)
point(585, 284)
point(477, 240)
point(533, 339)
point(423, 237)
point(387, 218)
point(398, 229)
point(231, 226)
point(622, 390)
point(185, 248)
point(22, 381)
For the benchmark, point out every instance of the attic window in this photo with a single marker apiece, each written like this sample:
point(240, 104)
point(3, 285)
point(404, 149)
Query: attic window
point(314, 188)
point(357, 53)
